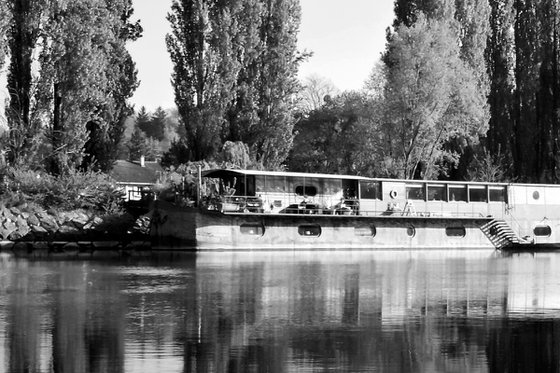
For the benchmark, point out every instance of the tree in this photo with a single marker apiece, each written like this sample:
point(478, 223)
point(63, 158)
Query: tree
point(143, 119)
point(86, 75)
point(205, 69)
point(153, 125)
point(316, 91)
point(500, 61)
point(430, 97)
point(103, 145)
point(4, 26)
point(407, 11)
point(138, 145)
point(235, 68)
point(340, 137)
point(548, 95)
point(177, 154)
point(277, 84)
point(522, 60)
point(236, 153)
point(27, 18)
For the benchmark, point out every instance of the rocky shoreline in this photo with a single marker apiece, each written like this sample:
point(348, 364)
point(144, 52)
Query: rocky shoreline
point(33, 231)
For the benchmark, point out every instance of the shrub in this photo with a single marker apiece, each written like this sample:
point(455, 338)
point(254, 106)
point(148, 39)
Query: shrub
point(75, 190)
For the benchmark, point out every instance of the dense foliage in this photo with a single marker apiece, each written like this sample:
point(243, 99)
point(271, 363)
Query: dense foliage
point(69, 79)
point(235, 68)
point(73, 190)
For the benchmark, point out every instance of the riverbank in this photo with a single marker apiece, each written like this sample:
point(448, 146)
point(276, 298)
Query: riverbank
point(29, 230)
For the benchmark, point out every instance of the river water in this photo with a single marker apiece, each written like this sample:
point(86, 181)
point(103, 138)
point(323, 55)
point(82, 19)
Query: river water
point(404, 311)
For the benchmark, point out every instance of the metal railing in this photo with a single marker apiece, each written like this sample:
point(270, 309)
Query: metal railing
point(348, 207)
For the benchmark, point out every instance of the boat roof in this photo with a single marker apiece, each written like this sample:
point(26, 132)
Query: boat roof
point(224, 172)
point(230, 172)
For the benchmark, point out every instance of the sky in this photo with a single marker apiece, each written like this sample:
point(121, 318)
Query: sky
point(346, 38)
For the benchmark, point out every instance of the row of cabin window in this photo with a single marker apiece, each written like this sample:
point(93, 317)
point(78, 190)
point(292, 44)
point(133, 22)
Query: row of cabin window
point(457, 193)
point(439, 192)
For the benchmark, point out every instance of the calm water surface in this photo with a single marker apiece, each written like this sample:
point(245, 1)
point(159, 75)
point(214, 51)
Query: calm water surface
point(283, 312)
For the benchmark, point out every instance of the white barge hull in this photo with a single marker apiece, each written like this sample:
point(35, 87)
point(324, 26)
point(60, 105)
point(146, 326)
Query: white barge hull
point(192, 229)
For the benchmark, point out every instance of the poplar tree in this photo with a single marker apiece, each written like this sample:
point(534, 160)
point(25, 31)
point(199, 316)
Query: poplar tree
point(86, 76)
point(205, 69)
point(277, 83)
point(500, 62)
point(548, 97)
point(4, 25)
point(106, 126)
point(235, 74)
point(27, 18)
point(522, 59)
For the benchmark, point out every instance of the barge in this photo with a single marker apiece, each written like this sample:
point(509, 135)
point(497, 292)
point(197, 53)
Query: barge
point(261, 210)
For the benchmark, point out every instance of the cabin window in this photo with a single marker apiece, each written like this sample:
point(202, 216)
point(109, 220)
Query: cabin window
point(455, 231)
point(306, 190)
point(542, 231)
point(370, 190)
point(415, 191)
point(275, 183)
point(252, 229)
point(309, 230)
point(365, 231)
point(437, 192)
point(477, 193)
point(331, 186)
point(458, 193)
point(497, 194)
point(260, 184)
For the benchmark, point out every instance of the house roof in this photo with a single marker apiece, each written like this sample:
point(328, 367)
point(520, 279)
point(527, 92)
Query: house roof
point(132, 172)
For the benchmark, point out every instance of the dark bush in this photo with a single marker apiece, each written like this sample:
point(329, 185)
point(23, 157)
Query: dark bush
point(75, 190)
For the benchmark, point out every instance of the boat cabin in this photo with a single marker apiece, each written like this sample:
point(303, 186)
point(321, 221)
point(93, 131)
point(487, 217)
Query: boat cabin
point(294, 192)
point(284, 192)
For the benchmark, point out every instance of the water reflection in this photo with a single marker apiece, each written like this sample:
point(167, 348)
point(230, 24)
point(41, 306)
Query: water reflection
point(283, 312)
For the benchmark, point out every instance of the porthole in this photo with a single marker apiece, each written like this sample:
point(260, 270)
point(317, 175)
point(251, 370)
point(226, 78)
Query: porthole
point(365, 231)
point(252, 229)
point(536, 195)
point(455, 231)
point(542, 231)
point(309, 230)
point(411, 231)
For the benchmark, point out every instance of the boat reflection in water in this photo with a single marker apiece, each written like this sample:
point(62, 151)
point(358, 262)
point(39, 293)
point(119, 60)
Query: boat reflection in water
point(419, 311)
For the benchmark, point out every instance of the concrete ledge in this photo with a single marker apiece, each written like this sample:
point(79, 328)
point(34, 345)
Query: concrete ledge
point(75, 249)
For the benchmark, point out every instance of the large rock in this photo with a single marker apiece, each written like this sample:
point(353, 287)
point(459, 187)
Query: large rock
point(80, 219)
point(6, 214)
point(22, 227)
point(37, 229)
point(33, 220)
point(68, 229)
point(48, 222)
point(7, 228)
point(14, 210)
point(94, 223)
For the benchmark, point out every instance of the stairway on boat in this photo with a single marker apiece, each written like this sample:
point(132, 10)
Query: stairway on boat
point(502, 235)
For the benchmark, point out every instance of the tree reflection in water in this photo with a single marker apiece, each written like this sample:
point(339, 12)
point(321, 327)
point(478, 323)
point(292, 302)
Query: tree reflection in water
point(283, 312)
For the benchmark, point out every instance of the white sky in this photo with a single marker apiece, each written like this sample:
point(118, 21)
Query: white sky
point(346, 37)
